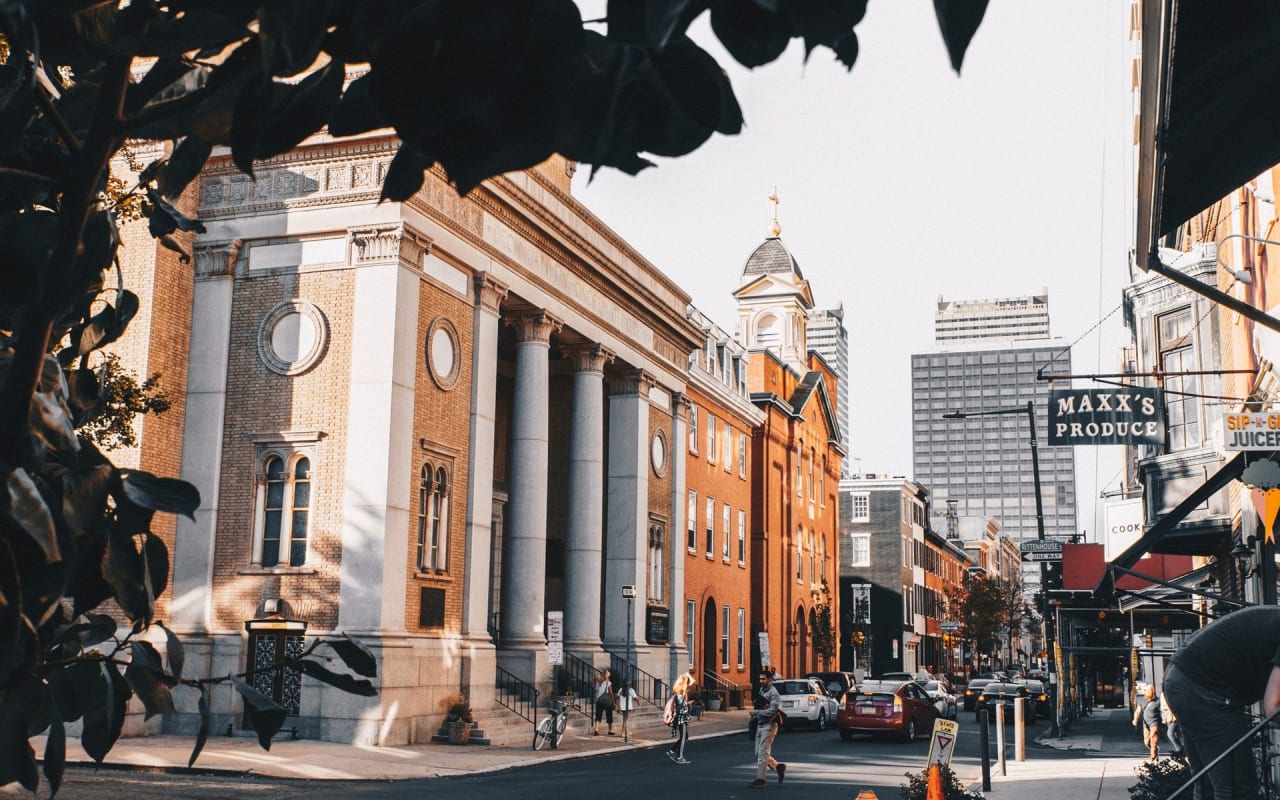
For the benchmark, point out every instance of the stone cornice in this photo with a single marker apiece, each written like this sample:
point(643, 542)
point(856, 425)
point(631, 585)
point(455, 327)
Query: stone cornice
point(489, 292)
point(588, 357)
point(535, 327)
point(631, 382)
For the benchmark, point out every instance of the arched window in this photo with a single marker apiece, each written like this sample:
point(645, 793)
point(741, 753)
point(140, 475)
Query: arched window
point(657, 564)
point(768, 331)
point(800, 555)
point(284, 509)
point(433, 518)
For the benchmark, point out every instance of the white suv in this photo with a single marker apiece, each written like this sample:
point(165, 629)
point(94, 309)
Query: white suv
point(805, 701)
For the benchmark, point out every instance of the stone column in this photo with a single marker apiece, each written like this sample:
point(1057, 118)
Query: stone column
point(679, 525)
point(479, 535)
point(628, 516)
point(585, 535)
point(524, 568)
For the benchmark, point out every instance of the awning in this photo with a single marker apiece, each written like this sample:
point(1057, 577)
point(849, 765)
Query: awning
point(1210, 74)
point(1166, 537)
point(1176, 593)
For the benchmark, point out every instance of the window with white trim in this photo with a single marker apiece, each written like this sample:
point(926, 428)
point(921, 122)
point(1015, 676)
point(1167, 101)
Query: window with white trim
point(693, 429)
point(282, 498)
point(433, 518)
point(1175, 338)
point(813, 569)
point(860, 550)
point(742, 637)
point(724, 637)
point(711, 437)
point(742, 536)
point(724, 524)
point(711, 527)
point(692, 537)
point(690, 621)
point(860, 507)
point(742, 455)
point(657, 566)
point(800, 555)
point(728, 447)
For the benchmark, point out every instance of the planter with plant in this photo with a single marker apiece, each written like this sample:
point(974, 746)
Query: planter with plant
point(1159, 779)
point(458, 721)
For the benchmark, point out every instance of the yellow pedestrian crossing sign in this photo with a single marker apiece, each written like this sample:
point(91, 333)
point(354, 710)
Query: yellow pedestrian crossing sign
point(942, 745)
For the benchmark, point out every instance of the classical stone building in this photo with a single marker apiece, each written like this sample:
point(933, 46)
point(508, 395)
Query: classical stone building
point(422, 424)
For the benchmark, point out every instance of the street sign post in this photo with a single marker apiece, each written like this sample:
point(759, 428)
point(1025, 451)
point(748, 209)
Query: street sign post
point(1041, 550)
point(1033, 557)
point(943, 743)
point(950, 625)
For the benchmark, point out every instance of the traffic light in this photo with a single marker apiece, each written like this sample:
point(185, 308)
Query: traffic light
point(1053, 575)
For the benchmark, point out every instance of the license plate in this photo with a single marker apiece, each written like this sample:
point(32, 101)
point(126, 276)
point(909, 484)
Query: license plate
point(788, 704)
point(868, 710)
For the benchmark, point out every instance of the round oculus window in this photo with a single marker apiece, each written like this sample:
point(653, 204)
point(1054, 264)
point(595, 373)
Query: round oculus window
point(443, 361)
point(293, 337)
point(658, 453)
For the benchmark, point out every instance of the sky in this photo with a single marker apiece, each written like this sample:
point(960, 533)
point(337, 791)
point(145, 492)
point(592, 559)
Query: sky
point(900, 182)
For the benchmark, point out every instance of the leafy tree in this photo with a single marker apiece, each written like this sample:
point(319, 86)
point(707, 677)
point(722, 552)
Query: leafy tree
point(978, 609)
point(109, 424)
point(480, 88)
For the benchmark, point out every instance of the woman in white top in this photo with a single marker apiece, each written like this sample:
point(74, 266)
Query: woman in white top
point(604, 702)
point(626, 704)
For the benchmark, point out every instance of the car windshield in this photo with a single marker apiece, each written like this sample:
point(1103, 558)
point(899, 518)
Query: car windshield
point(1001, 688)
point(886, 687)
point(793, 687)
point(1035, 687)
point(932, 686)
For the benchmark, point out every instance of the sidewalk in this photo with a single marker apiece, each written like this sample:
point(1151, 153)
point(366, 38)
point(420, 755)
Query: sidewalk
point(315, 760)
point(1109, 751)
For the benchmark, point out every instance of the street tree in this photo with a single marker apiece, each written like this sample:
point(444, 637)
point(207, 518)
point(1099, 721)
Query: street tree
point(479, 88)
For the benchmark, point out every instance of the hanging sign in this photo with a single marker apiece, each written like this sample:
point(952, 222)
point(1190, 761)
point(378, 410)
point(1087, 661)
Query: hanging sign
point(1119, 415)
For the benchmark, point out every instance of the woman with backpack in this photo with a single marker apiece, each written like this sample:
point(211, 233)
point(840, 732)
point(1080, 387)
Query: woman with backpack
point(676, 715)
point(604, 702)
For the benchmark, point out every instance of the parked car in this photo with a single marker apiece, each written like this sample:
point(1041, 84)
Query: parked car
point(896, 707)
point(1039, 705)
point(806, 701)
point(1002, 694)
point(837, 683)
point(972, 690)
point(941, 696)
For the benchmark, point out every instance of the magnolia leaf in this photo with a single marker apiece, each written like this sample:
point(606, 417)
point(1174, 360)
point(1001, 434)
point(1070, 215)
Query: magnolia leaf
point(266, 716)
point(27, 508)
point(173, 648)
point(161, 494)
point(346, 683)
point(358, 657)
point(959, 21)
point(55, 756)
point(17, 759)
point(202, 733)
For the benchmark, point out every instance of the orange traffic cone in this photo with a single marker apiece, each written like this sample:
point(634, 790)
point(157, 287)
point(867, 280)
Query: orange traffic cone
point(935, 784)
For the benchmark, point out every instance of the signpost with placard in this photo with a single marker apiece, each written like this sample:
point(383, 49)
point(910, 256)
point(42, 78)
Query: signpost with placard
point(1041, 550)
point(942, 745)
point(555, 638)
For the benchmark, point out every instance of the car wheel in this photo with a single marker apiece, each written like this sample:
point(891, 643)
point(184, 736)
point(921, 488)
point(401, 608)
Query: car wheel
point(846, 735)
point(910, 734)
point(821, 724)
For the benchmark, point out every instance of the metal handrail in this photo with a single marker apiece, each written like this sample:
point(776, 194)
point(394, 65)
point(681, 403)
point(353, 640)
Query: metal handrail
point(515, 694)
point(1246, 739)
point(715, 683)
point(578, 676)
point(649, 688)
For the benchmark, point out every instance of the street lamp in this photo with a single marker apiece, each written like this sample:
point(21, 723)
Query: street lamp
point(1030, 411)
point(629, 594)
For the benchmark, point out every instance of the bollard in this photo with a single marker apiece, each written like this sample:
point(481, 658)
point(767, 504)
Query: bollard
point(986, 750)
point(1020, 729)
point(1000, 739)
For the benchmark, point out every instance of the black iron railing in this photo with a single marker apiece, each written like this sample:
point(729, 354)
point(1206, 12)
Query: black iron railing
point(1243, 741)
point(516, 695)
point(649, 688)
point(714, 685)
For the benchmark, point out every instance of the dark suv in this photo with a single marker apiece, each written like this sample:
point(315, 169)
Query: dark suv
point(837, 683)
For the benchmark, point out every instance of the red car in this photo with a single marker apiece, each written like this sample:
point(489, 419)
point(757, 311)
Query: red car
point(896, 707)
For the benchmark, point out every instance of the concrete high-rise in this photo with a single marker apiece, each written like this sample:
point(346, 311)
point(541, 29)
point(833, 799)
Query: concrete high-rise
point(830, 339)
point(986, 358)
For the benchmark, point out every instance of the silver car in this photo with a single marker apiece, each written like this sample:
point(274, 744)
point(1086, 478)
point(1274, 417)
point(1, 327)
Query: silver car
point(806, 701)
point(942, 698)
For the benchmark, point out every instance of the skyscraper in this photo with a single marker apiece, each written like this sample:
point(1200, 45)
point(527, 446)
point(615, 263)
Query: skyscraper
point(986, 357)
point(830, 339)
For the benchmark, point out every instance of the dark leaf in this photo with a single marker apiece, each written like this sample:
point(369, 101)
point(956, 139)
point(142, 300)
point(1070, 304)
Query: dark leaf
point(752, 35)
point(155, 555)
point(297, 111)
point(291, 32)
point(17, 759)
point(105, 695)
point(699, 86)
point(959, 21)
point(84, 496)
point(170, 243)
point(147, 680)
point(356, 112)
point(96, 628)
point(183, 166)
point(405, 175)
point(13, 629)
point(55, 756)
point(824, 22)
point(162, 76)
point(173, 648)
point(86, 583)
point(27, 508)
point(82, 390)
point(346, 683)
point(252, 107)
point(355, 655)
point(161, 494)
point(98, 247)
point(197, 28)
point(652, 23)
point(125, 571)
point(50, 421)
point(63, 694)
point(266, 716)
point(164, 218)
point(202, 734)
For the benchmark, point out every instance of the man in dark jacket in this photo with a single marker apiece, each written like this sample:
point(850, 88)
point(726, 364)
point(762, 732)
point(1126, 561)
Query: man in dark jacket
point(1210, 685)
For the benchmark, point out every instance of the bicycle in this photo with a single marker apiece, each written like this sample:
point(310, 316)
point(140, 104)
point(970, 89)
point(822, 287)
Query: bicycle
point(551, 727)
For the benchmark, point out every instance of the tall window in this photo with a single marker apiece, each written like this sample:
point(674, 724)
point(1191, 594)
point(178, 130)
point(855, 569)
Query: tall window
point(861, 507)
point(656, 565)
point(433, 518)
point(724, 525)
point(711, 527)
point(860, 595)
point(692, 538)
point(813, 572)
point(822, 489)
point(809, 465)
point(724, 637)
point(800, 555)
point(1177, 354)
point(822, 557)
point(285, 504)
point(711, 437)
point(742, 637)
point(728, 447)
point(693, 429)
point(690, 620)
point(742, 455)
point(742, 536)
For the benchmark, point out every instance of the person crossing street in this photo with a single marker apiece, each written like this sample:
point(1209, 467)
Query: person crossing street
point(768, 715)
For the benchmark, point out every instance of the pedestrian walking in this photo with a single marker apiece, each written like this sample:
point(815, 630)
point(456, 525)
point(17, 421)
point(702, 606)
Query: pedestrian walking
point(1147, 713)
point(1211, 683)
point(677, 717)
point(768, 715)
point(1172, 730)
point(604, 702)
point(626, 704)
